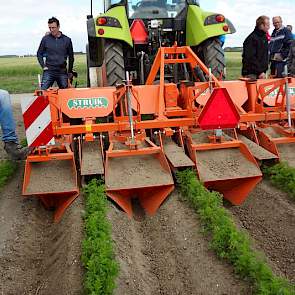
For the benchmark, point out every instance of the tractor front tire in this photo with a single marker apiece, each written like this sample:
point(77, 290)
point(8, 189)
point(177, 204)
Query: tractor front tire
point(114, 62)
point(212, 54)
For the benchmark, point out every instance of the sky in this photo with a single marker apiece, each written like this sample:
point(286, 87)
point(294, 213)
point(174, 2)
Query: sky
point(24, 22)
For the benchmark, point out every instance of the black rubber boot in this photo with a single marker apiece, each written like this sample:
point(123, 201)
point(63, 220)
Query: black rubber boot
point(16, 151)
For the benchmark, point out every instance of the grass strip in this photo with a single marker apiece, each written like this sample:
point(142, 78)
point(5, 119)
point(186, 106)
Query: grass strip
point(97, 247)
point(282, 176)
point(227, 241)
point(7, 169)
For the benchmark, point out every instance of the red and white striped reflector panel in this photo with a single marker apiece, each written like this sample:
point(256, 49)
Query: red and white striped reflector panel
point(37, 121)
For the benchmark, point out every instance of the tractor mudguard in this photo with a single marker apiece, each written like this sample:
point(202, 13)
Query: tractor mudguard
point(115, 27)
point(201, 25)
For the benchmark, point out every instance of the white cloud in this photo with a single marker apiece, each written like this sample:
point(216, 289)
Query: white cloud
point(23, 23)
point(243, 14)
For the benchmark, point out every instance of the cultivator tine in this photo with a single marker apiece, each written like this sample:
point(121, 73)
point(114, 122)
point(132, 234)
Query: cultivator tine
point(122, 198)
point(152, 198)
point(279, 140)
point(143, 173)
point(260, 153)
point(92, 161)
point(53, 180)
point(227, 167)
point(176, 155)
point(257, 117)
point(58, 202)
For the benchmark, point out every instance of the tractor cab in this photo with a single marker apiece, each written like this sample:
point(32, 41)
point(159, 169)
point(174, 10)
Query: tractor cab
point(126, 37)
point(156, 9)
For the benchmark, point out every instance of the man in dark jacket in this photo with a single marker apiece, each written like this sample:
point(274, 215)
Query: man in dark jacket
point(279, 47)
point(255, 51)
point(54, 50)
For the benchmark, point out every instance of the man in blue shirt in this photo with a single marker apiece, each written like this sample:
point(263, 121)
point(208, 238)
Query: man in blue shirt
point(290, 28)
point(279, 47)
point(54, 50)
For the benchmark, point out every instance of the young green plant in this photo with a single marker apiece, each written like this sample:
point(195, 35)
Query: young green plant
point(97, 247)
point(227, 241)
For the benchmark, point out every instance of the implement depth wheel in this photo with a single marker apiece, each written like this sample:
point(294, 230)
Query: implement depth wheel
point(212, 54)
point(114, 61)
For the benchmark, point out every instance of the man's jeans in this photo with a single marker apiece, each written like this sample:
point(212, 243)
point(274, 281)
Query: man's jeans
point(277, 68)
point(49, 77)
point(7, 122)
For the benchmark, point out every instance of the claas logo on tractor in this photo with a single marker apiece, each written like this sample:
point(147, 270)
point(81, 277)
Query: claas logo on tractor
point(219, 112)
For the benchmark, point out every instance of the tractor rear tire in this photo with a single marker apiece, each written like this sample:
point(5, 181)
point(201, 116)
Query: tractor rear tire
point(212, 54)
point(114, 61)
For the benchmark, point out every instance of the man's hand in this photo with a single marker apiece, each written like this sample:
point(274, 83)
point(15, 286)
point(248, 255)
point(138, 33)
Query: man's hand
point(45, 68)
point(278, 57)
point(70, 75)
point(262, 76)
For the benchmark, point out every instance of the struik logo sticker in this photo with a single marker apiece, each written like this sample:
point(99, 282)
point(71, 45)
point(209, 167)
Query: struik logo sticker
point(275, 92)
point(88, 103)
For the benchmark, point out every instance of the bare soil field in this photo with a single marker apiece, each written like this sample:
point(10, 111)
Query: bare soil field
point(167, 254)
point(269, 218)
point(164, 254)
point(36, 255)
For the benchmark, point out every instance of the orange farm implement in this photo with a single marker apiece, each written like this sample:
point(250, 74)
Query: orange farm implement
point(136, 136)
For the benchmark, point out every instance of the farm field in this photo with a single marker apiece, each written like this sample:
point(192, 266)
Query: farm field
point(20, 75)
point(167, 254)
point(156, 255)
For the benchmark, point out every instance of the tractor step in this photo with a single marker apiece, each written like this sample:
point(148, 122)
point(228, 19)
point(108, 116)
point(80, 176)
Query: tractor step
point(257, 151)
point(92, 161)
point(176, 155)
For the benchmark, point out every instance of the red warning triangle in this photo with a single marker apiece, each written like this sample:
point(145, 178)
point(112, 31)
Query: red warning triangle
point(219, 111)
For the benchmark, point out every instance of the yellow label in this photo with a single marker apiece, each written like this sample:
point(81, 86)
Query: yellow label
point(88, 127)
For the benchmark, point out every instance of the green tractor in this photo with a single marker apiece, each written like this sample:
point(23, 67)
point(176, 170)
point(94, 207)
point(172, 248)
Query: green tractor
point(127, 36)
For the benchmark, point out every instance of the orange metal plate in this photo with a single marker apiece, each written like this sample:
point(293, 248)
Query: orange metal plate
point(270, 99)
point(237, 91)
point(98, 102)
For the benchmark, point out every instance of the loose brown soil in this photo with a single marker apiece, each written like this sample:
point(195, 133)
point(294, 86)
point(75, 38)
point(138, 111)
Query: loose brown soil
point(167, 254)
point(92, 162)
point(269, 218)
point(256, 150)
point(287, 153)
point(164, 254)
point(201, 137)
point(176, 155)
point(224, 164)
point(271, 132)
point(135, 172)
point(52, 177)
point(36, 255)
